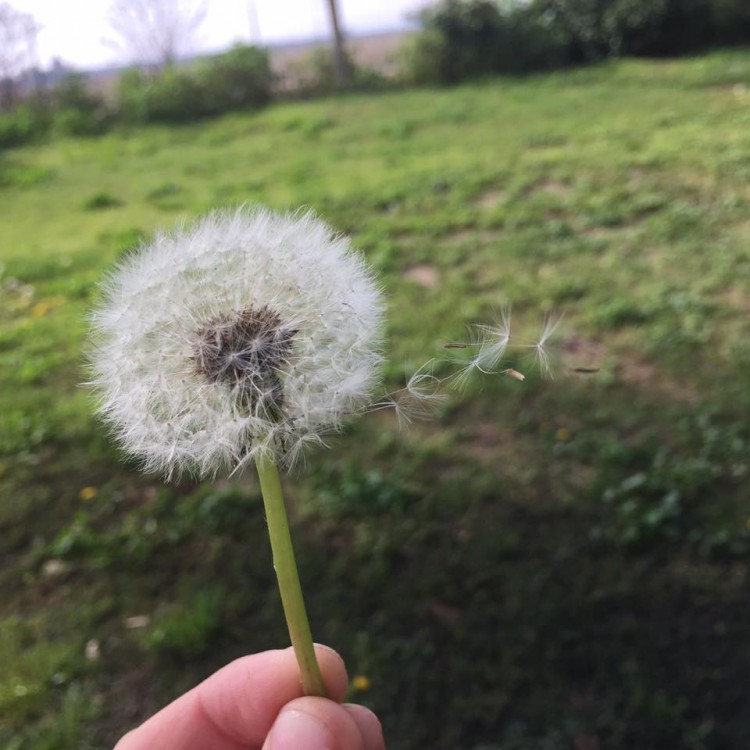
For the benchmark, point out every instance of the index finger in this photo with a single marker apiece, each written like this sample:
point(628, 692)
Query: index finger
point(235, 707)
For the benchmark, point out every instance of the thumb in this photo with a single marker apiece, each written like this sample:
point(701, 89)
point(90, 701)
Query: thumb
point(320, 724)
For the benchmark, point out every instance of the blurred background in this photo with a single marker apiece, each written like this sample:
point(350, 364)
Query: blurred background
point(554, 563)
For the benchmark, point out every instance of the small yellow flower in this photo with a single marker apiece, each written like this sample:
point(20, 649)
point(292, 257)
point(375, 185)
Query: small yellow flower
point(88, 493)
point(563, 435)
point(361, 684)
point(40, 309)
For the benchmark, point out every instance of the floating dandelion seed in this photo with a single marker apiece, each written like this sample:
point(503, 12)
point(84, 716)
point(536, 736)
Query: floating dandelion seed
point(418, 398)
point(539, 347)
point(488, 344)
point(511, 373)
point(248, 334)
point(496, 339)
point(479, 343)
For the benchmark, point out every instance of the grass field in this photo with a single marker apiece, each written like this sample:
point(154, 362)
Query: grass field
point(559, 563)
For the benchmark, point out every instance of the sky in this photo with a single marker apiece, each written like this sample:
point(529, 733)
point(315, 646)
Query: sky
point(76, 31)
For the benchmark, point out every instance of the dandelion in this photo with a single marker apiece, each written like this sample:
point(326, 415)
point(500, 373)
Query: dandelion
point(245, 338)
point(247, 335)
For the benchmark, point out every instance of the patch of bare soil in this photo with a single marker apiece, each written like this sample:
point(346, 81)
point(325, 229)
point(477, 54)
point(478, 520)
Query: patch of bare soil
point(424, 275)
point(555, 188)
point(736, 299)
point(472, 236)
point(491, 199)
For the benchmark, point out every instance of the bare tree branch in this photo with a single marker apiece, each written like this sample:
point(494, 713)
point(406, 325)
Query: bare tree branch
point(156, 32)
point(18, 32)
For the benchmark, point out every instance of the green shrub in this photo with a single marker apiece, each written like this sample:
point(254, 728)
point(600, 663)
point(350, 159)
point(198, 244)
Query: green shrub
point(78, 110)
point(131, 97)
point(238, 79)
point(594, 29)
point(171, 96)
point(468, 38)
point(174, 96)
point(25, 123)
point(315, 75)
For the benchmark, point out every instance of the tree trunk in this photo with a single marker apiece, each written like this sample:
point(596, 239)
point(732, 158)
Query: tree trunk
point(340, 61)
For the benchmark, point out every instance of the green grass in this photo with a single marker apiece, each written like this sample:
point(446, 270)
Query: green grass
point(547, 564)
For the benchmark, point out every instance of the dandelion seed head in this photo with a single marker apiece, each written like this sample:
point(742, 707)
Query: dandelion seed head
point(247, 334)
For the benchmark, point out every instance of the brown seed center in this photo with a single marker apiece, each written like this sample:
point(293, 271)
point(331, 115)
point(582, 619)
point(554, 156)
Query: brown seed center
point(247, 350)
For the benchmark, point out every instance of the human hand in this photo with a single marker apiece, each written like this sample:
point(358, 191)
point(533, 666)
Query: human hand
point(256, 703)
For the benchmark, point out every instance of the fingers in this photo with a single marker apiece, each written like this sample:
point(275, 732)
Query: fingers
point(236, 706)
point(368, 725)
point(246, 699)
point(320, 724)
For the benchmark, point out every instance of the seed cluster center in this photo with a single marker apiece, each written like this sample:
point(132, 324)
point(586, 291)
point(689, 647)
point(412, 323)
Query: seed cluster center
point(246, 350)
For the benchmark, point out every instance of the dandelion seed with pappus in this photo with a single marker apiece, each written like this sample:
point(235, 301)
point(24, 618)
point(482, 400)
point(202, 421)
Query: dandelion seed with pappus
point(487, 346)
point(244, 338)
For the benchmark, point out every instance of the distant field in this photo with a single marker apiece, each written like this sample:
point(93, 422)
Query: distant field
point(555, 563)
point(377, 51)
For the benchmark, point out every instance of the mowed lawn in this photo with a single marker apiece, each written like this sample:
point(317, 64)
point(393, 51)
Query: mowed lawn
point(549, 564)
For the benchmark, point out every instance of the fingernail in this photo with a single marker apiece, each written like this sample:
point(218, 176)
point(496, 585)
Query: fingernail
point(297, 730)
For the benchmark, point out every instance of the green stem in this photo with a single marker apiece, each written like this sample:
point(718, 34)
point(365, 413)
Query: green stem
point(288, 578)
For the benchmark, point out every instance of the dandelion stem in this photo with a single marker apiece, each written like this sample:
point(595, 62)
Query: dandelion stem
point(288, 577)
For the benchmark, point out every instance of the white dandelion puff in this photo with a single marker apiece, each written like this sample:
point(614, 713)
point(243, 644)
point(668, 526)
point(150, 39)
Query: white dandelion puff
point(248, 335)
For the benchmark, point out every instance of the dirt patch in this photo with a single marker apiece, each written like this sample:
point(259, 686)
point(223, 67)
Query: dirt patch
point(583, 353)
point(473, 237)
point(486, 441)
point(491, 199)
point(461, 237)
point(555, 188)
point(611, 234)
point(736, 299)
point(424, 275)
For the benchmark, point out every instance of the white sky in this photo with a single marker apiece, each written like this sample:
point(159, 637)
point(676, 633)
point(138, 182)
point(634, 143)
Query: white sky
point(76, 30)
